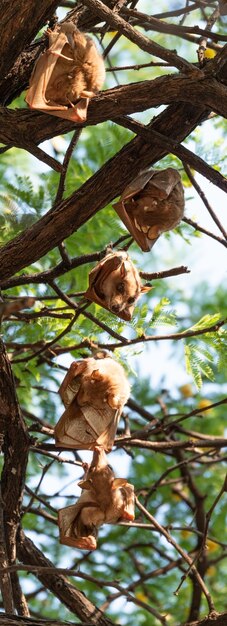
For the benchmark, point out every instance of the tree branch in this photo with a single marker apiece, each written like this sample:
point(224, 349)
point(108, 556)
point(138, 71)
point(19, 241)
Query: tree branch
point(58, 584)
point(177, 121)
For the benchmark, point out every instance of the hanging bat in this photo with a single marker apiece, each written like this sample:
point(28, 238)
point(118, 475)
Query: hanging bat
point(104, 499)
point(70, 71)
point(94, 392)
point(152, 204)
point(115, 284)
point(11, 307)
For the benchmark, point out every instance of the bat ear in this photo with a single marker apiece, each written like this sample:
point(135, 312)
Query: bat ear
point(96, 375)
point(119, 482)
point(123, 270)
point(84, 484)
point(79, 112)
point(145, 288)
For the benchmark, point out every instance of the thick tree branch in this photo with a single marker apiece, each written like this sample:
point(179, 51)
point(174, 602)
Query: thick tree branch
point(13, 620)
point(58, 584)
point(136, 37)
point(16, 444)
point(177, 122)
point(20, 22)
point(34, 127)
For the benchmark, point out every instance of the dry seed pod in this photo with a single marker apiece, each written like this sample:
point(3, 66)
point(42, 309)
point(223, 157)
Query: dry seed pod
point(104, 499)
point(70, 71)
point(94, 392)
point(152, 204)
point(115, 284)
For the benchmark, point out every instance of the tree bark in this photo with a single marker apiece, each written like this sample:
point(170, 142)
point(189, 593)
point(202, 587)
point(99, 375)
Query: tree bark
point(58, 584)
point(15, 447)
point(218, 619)
point(20, 22)
point(177, 122)
point(35, 127)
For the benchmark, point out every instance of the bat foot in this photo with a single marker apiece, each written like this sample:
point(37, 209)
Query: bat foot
point(98, 448)
point(127, 517)
point(85, 466)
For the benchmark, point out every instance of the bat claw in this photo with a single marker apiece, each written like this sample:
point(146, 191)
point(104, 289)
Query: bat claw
point(58, 54)
point(85, 466)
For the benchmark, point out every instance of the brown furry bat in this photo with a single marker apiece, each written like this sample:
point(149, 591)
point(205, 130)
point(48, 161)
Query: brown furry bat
point(152, 204)
point(104, 499)
point(94, 392)
point(10, 307)
point(115, 284)
point(69, 70)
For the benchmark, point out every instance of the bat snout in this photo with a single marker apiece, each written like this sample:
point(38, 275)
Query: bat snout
point(116, 308)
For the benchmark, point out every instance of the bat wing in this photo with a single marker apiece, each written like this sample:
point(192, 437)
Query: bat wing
point(143, 242)
point(133, 188)
point(102, 270)
point(83, 428)
point(129, 502)
point(70, 525)
point(73, 431)
point(71, 383)
point(40, 78)
point(106, 439)
point(165, 180)
point(137, 184)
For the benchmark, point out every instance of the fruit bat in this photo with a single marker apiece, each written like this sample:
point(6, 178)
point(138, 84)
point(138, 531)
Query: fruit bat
point(70, 70)
point(11, 307)
point(104, 499)
point(94, 392)
point(115, 284)
point(152, 204)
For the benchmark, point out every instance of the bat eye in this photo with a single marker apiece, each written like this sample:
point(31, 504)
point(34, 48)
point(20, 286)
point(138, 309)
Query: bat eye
point(131, 300)
point(120, 288)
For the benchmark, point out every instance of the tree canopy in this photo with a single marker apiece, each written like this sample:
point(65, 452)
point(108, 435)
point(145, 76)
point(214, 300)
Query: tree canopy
point(163, 105)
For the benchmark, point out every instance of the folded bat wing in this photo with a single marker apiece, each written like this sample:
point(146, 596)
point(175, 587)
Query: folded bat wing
point(69, 525)
point(83, 428)
point(40, 78)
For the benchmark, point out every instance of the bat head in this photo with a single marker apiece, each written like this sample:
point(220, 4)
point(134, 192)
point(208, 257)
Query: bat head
point(102, 387)
point(128, 513)
point(152, 204)
point(98, 472)
point(115, 284)
point(100, 475)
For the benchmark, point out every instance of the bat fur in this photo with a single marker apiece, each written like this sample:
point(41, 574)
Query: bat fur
point(152, 204)
point(116, 285)
point(94, 392)
point(70, 71)
point(104, 499)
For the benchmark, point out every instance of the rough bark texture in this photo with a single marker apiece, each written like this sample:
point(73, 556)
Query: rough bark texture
point(58, 584)
point(20, 21)
point(15, 447)
point(117, 173)
point(215, 620)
